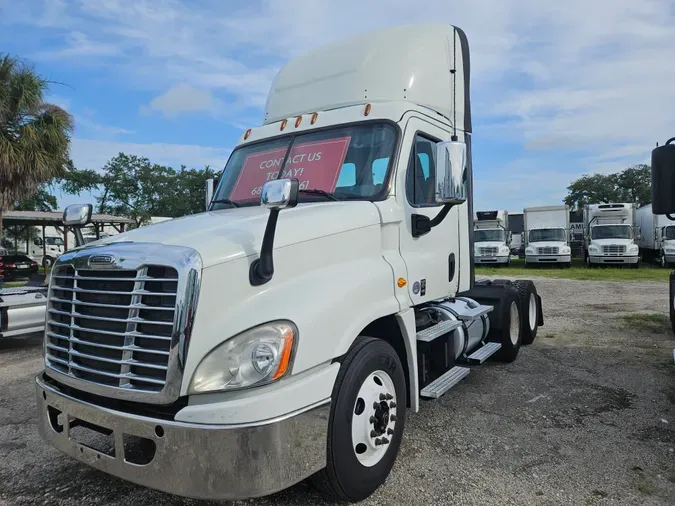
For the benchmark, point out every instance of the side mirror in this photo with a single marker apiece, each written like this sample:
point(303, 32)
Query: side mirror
point(451, 173)
point(37, 241)
point(279, 194)
point(77, 215)
point(276, 195)
point(663, 178)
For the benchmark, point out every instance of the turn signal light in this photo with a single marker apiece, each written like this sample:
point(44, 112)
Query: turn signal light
point(298, 120)
point(283, 124)
point(367, 111)
point(315, 116)
point(248, 132)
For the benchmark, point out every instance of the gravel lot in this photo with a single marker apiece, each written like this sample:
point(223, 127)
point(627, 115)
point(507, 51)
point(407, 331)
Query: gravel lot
point(585, 416)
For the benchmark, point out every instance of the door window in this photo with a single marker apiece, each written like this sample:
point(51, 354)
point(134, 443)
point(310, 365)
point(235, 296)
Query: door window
point(421, 174)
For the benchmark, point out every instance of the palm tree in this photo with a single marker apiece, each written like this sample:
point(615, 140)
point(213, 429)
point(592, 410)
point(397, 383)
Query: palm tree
point(34, 135)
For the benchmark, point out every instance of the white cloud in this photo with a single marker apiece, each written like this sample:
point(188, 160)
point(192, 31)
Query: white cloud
point(184, 99)
point(93, 154)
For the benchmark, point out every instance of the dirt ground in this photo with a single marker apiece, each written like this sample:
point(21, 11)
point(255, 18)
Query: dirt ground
point(585, 416)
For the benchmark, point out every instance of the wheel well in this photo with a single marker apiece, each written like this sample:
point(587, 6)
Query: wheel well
point(387, 329)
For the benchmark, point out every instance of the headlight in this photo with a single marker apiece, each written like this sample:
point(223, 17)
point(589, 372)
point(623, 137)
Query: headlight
point(565, 250)
point(529, 251)
point(255, 357)
point(670, 250)
point(593, 248)
point(633, 247)
point(504, 249)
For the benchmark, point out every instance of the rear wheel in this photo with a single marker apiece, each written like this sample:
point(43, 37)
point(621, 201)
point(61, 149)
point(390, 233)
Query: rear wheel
point(529, 309)
point(510, 333)
point(366, 421)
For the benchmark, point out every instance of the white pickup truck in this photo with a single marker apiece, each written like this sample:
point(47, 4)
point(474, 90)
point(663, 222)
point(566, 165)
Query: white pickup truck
point(289, 331)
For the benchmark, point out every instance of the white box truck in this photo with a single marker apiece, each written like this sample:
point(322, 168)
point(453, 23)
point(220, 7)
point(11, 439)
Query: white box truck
point(610, 234)
point(492, 238)
point(547, 235)
point(290, 330)
point(657, 236)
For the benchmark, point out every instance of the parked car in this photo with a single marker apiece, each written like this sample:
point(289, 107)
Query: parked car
point(18, 266)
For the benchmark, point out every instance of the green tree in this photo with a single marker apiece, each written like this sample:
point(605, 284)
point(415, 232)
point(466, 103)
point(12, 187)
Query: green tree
point(630, 185)
point(132, 186)
point(34, 135)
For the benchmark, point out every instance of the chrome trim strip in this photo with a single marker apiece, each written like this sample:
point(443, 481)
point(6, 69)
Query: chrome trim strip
point(136, 257)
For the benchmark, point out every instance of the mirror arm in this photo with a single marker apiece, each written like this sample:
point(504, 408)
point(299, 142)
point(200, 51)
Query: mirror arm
point(79, 238)
point(262, 268)
point(422, 224)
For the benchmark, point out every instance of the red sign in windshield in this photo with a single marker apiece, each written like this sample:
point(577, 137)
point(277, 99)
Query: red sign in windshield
point(315, 164)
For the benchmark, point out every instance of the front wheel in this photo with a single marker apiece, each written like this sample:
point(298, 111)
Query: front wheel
point(366, 421)
point(529, 309)
point(47, 262)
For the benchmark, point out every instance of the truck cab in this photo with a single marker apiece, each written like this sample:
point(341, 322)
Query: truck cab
point(547, 235)
point(492, 238)
point(611, 234)
point(45, 253)
point(288, 331)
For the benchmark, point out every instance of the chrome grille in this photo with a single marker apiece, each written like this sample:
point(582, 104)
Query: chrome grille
point(614, 248)
point(112, 327)
point(547, 250)
point(487, 251)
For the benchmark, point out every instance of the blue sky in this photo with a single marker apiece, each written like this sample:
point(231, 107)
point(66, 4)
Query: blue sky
point(558, 90)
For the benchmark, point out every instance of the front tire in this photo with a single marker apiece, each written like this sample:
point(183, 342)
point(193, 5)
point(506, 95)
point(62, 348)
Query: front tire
point(366, 421)
point(47, 262)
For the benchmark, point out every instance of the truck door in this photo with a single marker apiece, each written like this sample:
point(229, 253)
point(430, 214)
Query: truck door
point(432, 260)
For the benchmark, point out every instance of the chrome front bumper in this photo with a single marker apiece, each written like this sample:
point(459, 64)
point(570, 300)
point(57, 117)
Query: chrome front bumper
point(613, 259)
point(491, 260)
point(227, 462)
point(548, 259)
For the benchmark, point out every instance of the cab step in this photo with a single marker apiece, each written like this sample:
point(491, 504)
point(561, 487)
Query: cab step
point(429, 334)
point(483, 353)
point(474, 313)
point(444, 383)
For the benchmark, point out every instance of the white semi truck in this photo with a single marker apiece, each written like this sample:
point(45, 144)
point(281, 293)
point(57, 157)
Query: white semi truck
point(657, 236)
point(288, 332)
point(492, 238)
point(610, 234)
point(547, 235)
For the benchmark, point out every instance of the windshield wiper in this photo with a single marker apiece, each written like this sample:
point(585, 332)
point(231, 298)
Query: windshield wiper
point(225, 201)
point(316, 191)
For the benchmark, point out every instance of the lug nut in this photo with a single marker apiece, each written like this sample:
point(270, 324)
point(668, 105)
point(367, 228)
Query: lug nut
point(376, 406)
point(378, 442)
point(392, 418)
point(390, 431)
point(389, 397)
point(373, 433)
point(385, 441)
point(373, 419)
point(392, 404)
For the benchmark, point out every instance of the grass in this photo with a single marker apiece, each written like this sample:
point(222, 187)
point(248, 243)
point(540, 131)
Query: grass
point(655, 322)
point(578, 271)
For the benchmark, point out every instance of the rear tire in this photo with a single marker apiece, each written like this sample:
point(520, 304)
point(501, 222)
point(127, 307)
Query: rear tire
point(355, 464)
point(529, 309)
point(510, 335)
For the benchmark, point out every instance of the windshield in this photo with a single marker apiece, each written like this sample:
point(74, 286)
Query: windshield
point(612, 232)
point(669, 233)
point(488, 235)
point(547, 234)
point(348, 162)
point(54, 241)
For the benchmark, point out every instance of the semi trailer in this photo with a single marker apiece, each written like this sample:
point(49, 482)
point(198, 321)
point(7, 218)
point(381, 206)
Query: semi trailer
point(290, 330)
point(657, 236)
point(547, 235)
point(610, 234)
point(492, 238)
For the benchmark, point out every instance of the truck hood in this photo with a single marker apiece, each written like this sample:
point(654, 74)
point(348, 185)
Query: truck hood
point(489, 244)
point(229, 234)
point(547, 244)
point(608, 242)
